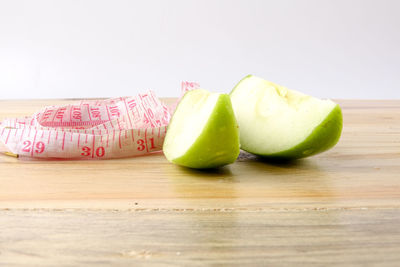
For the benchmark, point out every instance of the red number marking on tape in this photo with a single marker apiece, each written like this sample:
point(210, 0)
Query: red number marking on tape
point(85, 151)
point(39, 147)
point(141, 146)
point(100, 151)
point(95, 112)
point(27, 146)
point(152, 143)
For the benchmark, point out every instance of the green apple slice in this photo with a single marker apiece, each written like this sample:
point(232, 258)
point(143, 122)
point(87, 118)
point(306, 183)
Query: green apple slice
point(280, 123)
point(203, 132)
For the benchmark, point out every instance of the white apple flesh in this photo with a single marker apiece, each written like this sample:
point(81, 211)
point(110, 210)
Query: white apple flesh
point(203, 132)
point(280, 123)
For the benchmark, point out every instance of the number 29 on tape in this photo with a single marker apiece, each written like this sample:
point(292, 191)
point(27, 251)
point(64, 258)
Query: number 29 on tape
point(37, 148)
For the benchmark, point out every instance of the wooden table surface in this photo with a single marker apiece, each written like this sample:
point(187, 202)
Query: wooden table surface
point(338, 208)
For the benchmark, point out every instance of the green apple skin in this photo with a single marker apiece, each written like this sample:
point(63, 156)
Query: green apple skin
point(218, 144)
point(324, 136)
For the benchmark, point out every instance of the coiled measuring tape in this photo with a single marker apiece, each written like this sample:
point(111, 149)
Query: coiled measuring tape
point(91, 129)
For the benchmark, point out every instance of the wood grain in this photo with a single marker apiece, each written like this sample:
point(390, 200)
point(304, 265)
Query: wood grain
point(200, 238)
point(338, 208)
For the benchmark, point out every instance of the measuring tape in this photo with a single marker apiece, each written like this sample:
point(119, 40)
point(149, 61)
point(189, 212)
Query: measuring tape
point(91, 129)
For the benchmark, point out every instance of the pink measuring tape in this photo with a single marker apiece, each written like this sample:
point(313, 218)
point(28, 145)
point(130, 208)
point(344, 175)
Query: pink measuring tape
point(92, 129)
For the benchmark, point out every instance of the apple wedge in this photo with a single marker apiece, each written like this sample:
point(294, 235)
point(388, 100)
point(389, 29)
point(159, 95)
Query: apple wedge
point(280, 123)
point(203, 132)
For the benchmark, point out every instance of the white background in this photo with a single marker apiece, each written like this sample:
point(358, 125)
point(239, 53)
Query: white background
point(334, 49)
